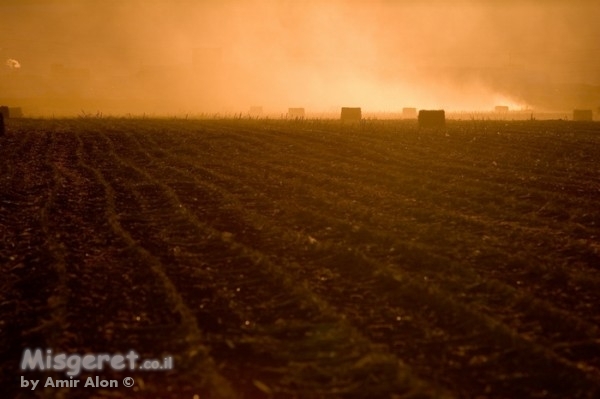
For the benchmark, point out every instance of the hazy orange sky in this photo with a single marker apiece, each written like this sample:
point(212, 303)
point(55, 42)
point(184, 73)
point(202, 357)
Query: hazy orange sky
point(382, 55)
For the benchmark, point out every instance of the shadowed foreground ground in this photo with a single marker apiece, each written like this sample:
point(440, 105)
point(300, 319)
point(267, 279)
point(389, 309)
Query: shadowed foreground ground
point(310, 259)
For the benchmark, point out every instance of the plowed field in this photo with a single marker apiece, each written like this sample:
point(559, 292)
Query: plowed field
point(305, 259)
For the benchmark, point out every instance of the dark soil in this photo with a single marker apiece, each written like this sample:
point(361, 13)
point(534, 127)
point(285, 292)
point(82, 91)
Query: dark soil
point(304, 259)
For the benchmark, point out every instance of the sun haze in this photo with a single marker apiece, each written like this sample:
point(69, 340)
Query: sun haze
point(170, 57)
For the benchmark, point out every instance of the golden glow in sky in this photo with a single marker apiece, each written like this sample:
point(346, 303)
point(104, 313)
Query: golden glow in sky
point(223, 56)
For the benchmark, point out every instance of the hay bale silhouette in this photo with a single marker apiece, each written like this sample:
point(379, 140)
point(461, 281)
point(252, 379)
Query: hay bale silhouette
point(4, 110)
point(432, 118)
point(583, 115)
point(296, 113)
point(409, 113)
point(501, 109)
point(16, 112)
point(1, 124)
point(351, 114)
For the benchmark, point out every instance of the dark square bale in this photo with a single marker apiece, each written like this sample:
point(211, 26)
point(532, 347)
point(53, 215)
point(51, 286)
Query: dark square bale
point(583, 115)
point(501, 109)
point(5, 111)
point(296, 113)
point(409, 113)
point(432, 118)
point(351, 114)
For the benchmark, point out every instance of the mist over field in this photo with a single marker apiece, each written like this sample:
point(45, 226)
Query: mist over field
point(430, 230)
point(225, 56)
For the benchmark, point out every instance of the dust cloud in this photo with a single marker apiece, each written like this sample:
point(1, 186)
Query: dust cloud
point(176, 56)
